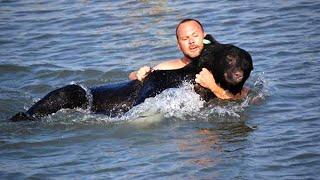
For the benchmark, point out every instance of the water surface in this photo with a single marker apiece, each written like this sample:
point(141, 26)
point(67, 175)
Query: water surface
point(273, 134)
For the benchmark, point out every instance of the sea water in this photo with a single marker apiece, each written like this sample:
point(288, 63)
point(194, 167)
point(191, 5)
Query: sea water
point(272, 134)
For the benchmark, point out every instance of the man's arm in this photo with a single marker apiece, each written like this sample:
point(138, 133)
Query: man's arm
point(140, 74)
point(205, 79)
point(145, 70)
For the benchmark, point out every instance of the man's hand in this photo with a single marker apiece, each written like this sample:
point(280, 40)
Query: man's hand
point(143, 72)
point(205, 79)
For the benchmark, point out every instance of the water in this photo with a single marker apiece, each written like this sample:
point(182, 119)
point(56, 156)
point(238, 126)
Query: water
point(273, 134)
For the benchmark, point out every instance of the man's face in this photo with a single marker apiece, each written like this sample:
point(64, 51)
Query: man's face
point(190, 39)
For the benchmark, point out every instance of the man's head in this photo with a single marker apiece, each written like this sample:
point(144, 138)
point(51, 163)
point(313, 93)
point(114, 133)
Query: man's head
point(190, 35)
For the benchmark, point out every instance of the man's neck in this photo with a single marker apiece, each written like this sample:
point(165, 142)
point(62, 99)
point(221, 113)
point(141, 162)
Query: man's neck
point(185, 60)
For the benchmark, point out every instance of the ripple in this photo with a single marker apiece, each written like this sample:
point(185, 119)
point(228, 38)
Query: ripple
point(273, 134)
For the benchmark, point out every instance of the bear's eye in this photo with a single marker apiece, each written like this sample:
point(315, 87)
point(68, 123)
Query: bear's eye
point(231, 60)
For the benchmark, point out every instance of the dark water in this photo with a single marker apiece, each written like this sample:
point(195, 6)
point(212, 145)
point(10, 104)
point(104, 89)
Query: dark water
point(273, 134)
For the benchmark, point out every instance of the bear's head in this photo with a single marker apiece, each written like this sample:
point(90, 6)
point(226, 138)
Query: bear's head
point(230, 65)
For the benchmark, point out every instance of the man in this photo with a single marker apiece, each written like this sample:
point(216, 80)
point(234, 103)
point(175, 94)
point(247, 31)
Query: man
point(190, 35)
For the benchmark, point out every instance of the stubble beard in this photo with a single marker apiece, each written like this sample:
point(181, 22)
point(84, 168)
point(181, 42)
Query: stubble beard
point(190, 57)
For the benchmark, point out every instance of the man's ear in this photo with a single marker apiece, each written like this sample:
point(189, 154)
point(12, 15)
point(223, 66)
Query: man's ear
point(178, 45)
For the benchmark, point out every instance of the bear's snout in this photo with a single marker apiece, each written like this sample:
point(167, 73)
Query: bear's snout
point(237, 76)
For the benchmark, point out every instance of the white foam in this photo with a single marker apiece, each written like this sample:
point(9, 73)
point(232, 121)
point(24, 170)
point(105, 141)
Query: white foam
point(171, 102)
point(179, 102)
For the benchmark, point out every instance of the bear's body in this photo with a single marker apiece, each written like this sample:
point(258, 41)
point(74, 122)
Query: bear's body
point(230, 65)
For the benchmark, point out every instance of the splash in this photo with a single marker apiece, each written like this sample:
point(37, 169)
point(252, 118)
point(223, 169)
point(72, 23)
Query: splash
point(233, 110)
point(260, 90)
point(182, 103)
point(88, 95)
point(171, 102)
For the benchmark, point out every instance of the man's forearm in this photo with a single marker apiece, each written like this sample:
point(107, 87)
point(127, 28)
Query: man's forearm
point(205, 79)
point(224, 94)
point(219, 92)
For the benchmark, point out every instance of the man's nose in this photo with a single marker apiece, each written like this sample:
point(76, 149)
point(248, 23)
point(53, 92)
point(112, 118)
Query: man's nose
point(191, 40)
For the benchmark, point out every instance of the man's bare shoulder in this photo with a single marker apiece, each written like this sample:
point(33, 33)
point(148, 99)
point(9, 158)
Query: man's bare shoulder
point(171, 64)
